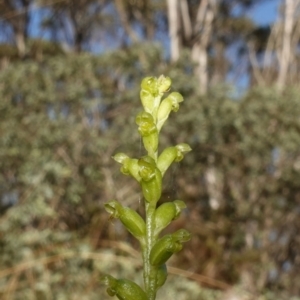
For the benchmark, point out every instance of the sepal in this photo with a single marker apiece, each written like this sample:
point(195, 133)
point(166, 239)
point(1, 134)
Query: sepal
point(129, 165)
point(149, 92)
point(171, 103)
point(129, 218)
point(170, 154)
point(148, 131)
point(165, 247)
point(124, 289)
point(164, 84)
point(182, 149)
point(166, 213)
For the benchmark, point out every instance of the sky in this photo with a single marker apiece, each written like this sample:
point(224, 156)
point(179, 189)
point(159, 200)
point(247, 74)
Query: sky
point(265, 12)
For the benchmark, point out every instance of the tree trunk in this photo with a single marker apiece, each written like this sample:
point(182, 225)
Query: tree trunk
point(285, 53)
point(124, 18)
point(186, 20)
point(20, 43)
point(19, 22)
point(174, 28)
point(203, 30)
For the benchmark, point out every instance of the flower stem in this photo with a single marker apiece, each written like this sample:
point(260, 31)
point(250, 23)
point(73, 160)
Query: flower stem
point(149, 270)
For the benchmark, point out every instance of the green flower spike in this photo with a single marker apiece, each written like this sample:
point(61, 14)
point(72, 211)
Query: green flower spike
point(129, 217)
point(148, 131)
point(122, 288)
point(171, 154)
point(171, 103)
point(151, 179)
point(166, 213)
point(148, 171)
point(164, 248)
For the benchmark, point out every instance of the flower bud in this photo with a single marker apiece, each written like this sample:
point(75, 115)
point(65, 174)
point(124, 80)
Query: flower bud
point(171, 103)
point(124, 289)
point(151, 179)
point(166, 213)
point(129, 217)
point(171, 154)
point(165, 247)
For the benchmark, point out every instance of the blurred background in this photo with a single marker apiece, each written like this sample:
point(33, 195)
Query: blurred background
point(70, 72)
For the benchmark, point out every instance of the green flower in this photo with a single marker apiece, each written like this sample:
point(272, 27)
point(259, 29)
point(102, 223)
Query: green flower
point(165, 247)
point(148, 131)
point(146, 124)
point(171, 154)
point(129, 165)
point(151, 179)
point(129, 217)
point(171, 103)
point(149, 84)
point(166, 213)
point(124, 289)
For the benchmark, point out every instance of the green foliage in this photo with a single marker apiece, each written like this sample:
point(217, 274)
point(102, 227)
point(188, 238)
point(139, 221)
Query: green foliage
point(54, 159)
point(246, 169)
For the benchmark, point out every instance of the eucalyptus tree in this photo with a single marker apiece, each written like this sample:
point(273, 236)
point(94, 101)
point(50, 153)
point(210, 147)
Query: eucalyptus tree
point(15, 18)
point(78, 25)
point(273, 49)
point(209, 28)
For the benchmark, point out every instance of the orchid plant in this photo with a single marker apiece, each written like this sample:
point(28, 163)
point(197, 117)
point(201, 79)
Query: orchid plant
point(149, 171)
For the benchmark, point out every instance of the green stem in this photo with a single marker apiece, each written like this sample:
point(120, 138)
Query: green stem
point(149, 270)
